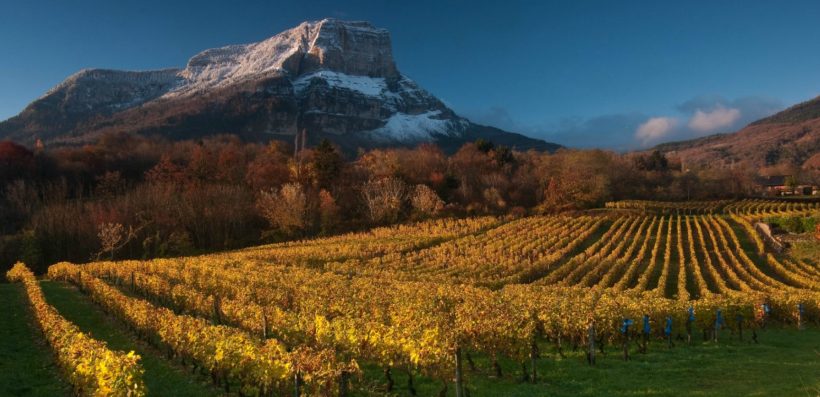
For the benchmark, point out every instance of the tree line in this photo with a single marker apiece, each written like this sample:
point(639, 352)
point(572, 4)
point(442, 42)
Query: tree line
point(128, 196)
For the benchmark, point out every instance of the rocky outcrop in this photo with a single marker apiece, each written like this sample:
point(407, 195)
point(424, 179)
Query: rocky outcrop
point(331, 78)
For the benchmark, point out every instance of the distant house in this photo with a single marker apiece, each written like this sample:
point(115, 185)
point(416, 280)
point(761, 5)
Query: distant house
point(778, 185)
point(774, 185)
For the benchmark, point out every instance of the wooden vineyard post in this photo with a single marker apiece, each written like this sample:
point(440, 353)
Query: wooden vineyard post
point(133, 286)
point(591, 343)
point(646, 331)
point(297, 384)
point(459, 374)
point(217, 313)
point(410, 386)
point(533, 358)
point(264, 326)
point(689, 320)
point(718, 323)
point(558, 346)
point(800, 310)
point(739, 319)
point(388, 375)
point(625, 331)
point(343, 383)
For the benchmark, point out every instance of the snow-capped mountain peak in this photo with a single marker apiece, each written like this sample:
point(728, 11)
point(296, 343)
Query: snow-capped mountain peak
point(353, 48)
point(330, 78)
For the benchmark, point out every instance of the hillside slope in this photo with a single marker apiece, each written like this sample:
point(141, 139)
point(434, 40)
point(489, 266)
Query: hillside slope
point(788, 138)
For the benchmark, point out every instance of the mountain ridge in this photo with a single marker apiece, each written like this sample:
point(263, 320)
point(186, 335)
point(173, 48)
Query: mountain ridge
point(335, 79)
point(789, 138)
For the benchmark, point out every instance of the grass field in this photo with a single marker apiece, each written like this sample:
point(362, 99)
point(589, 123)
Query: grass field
point(786, 362)
point(162, 377)
point(26, 365)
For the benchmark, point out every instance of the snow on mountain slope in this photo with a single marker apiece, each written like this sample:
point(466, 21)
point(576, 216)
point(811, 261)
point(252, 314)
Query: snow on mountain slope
point(332, 78)
point(365, 85)
point(417, 127)
point(111, 90)
point(222, 66)
point(353, 48)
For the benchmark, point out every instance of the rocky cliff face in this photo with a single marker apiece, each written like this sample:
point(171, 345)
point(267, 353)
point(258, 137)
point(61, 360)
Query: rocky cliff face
point(334, 79)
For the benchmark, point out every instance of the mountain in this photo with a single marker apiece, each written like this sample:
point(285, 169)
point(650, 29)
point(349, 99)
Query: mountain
point(788, 138)
point(333, 79)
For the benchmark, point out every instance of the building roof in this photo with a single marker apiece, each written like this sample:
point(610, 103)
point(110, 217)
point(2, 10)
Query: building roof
point(772, 180)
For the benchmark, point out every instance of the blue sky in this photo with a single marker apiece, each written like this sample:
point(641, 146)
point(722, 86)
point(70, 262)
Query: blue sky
point(615, 74)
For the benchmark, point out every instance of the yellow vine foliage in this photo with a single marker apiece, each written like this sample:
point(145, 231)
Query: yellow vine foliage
point(91, 368)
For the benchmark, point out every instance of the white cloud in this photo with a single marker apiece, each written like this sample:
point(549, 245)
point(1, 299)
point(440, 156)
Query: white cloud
point(710, 121)
point(655, 128)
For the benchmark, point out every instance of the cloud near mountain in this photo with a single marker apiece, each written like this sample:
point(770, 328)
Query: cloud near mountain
point(703, 116)
point(710, 121)
point(655, 129)
point(693, 118)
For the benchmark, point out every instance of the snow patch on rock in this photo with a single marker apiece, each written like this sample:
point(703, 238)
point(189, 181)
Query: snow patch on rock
point(415, 127)
point(365, 85)
point(284, 53)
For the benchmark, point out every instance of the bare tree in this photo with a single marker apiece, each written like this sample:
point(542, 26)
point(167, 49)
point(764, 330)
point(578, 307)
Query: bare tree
point(384, 198)
point(285, 208)
point(113, 236)
point(425, 200)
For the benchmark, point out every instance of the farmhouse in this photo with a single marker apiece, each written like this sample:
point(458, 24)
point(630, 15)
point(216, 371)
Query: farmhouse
point(783, 185)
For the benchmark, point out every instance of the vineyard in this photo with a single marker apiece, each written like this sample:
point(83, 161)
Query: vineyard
point(427, 300)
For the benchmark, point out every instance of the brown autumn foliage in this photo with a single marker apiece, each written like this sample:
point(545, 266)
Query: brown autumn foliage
point(219, 193)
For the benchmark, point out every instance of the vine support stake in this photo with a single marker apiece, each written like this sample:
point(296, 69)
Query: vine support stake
point(591, 343)
point(264, 326)
point(343, 384)
point(459, 374)
point(297, 386)
point(217, 313)
point(533, 358)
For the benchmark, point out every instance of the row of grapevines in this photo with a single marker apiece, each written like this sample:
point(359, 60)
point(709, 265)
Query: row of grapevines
point(91, 368)
point(621, 264)
point(376, 242)
point(229, 355)
point(576, 267)
point(759, 208)
point(688, 207)
point(519, 251)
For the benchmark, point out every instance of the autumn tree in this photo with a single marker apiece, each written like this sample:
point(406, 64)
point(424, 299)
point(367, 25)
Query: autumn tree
point(231, 163)
point(166, 171)
point(113, 236)
point(329, 213)
point(286, 208)
point(470, 165)
point(576, 179)
point(110, 184)
point(201, 166)
point(15, 161)
point(325, 164)
point(380, 163)
point(269, 169)
point(654, 162)
point(384, 199)
point(425, 164)
point(425, 201)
